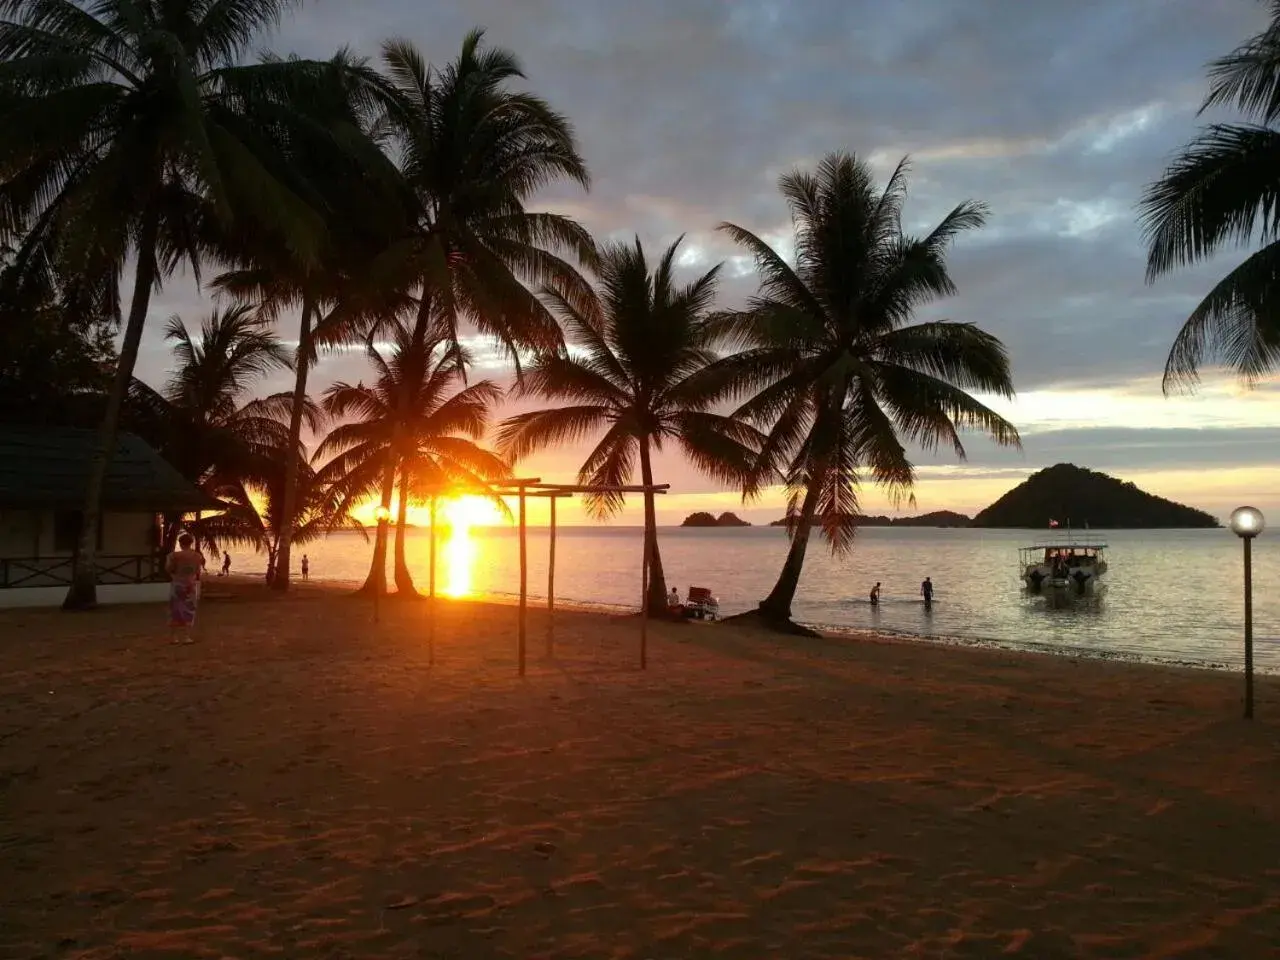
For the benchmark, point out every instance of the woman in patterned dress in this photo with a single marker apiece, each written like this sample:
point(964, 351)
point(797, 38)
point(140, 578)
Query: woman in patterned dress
point(184, 566)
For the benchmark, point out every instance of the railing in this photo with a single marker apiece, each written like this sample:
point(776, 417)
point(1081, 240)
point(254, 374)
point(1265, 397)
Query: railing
point(56, 571)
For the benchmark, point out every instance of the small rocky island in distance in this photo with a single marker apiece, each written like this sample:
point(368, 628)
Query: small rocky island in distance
point(938, 518)
point(1070, 494)
point(711, 520)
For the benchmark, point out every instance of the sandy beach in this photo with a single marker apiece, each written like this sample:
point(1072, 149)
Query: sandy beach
point(301, 783)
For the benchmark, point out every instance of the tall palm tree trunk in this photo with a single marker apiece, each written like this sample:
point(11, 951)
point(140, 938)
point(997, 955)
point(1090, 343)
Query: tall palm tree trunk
point(404, 581)
point(376, 582)
point(83, 593)
point(289, 502)
point(657, 581)
point(777, 606)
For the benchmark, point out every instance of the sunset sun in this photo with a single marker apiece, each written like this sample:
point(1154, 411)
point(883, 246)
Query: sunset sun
point(466, 512)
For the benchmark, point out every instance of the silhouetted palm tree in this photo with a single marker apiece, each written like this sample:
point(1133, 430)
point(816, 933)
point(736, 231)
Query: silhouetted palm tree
point(253, 517)
point(473, 151)
point(127, 134)
point(204, 422)
point(647, 344)
point(843, 375)
point(1222, 190)
point(333, 157)
point(413, 426)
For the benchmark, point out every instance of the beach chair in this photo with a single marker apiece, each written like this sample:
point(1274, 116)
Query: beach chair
point(702, 604)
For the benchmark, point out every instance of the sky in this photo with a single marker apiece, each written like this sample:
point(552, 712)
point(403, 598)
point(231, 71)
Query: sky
point(1054, 114)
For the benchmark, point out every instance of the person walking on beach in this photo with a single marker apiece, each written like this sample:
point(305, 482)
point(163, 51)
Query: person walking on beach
point(226, 563)
point(306, 567)
point(875, 594)
point(184, 567)
point(926, 591)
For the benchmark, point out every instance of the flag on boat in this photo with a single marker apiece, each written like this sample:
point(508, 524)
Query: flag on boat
point(1052, 524)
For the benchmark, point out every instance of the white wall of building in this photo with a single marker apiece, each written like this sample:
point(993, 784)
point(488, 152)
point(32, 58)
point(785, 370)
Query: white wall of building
point(28, 541)
point(110, 593)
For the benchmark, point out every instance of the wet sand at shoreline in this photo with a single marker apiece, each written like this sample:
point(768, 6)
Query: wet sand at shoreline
point(301, 783)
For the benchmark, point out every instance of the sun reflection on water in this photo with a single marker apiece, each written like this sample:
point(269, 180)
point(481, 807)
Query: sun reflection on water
point(460, 548)
point(459, 555)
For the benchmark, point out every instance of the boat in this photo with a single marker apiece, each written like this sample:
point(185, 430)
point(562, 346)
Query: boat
point(701, 605)
point(1062, 566)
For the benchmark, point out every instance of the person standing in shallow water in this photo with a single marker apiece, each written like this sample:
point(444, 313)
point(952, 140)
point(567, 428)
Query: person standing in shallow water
point(306, 567)
point(926, 591)
point(184, 566)
point(875, 594)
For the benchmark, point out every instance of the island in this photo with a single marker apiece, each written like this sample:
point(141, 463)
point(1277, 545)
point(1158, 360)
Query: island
point(702, 519)
point(937, 518)
point(1065, 494)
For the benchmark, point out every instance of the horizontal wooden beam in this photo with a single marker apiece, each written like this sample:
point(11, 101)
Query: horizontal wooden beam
point(604, 488)
point(502, 488)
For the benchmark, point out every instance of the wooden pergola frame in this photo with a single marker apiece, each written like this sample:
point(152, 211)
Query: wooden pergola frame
point(522, 489)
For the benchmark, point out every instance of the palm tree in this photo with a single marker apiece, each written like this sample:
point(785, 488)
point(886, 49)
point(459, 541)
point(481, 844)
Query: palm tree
point(334, 158)
point(473, 151)
point(128, 133)
point(203, 422)
point(253, 517)
point(642, 378)
point(411, 426)
point(1216, 192)
point(843, 374)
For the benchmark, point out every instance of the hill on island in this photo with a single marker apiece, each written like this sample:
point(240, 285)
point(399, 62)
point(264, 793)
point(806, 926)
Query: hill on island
point(1070, 494)
point(938, 518)
point(701, 519)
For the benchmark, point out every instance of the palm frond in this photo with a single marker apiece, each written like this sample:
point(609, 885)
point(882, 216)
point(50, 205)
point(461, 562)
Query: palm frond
point(527, 433)
point(1236, 323)
point(1219, 190)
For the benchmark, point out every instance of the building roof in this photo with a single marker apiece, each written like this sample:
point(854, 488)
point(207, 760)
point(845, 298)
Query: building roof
point(47, 468)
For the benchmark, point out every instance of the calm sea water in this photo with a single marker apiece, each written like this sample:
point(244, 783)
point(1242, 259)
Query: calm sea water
point(1172, 595)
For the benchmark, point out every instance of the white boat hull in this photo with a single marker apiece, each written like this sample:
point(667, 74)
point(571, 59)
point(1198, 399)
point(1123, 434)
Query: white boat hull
point(1041, 578)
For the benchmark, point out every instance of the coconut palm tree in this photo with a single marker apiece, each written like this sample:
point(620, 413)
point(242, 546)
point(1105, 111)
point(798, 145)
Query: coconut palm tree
point(129, 135)
point(1221, 189)
point(411, 426)
point(203, 421)
point(472, 151)
point(647, 344)
point(333, 156)
point(839, 373)
point(253, 516)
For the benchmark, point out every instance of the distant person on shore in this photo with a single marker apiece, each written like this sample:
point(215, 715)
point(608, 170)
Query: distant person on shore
point(226, 563)
point(184, 567)
point(306, 567)
point(926, 591)
point(875, 594)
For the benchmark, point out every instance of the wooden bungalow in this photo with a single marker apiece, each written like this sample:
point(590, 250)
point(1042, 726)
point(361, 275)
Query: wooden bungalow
point(43, 475)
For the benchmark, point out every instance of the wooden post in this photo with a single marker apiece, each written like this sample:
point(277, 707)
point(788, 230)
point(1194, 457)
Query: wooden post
point(524, 579)
point(644, 608)
point(551, 583)
point(431, 581)
point(431, 598)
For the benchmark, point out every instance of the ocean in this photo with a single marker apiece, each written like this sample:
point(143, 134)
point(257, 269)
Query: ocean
point(1170, 595)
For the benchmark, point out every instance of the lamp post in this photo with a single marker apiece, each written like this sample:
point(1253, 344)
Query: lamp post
point(381, 514)
point(1247, 523)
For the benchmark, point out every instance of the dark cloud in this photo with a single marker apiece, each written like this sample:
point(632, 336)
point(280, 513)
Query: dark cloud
point(1056, 114)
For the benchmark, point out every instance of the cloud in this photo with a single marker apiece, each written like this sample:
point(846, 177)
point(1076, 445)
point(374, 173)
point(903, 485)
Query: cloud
point(1055, 114)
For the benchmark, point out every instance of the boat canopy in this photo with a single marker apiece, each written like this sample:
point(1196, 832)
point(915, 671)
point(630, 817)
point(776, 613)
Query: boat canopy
point(1066, 546)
